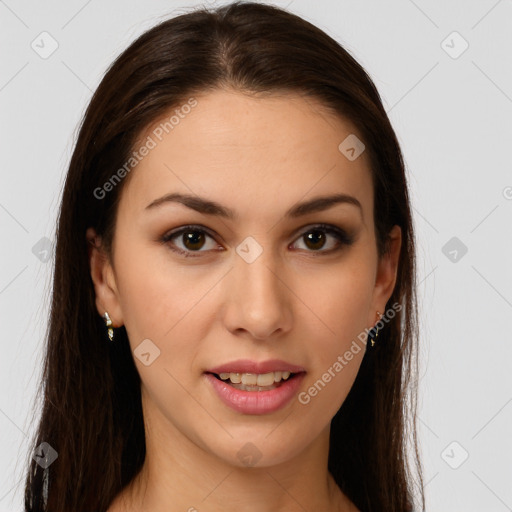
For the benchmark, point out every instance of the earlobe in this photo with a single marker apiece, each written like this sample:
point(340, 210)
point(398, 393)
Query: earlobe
point(387, 270)
point(103, 279)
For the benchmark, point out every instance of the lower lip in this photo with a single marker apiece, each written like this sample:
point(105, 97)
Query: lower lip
point(256, 402)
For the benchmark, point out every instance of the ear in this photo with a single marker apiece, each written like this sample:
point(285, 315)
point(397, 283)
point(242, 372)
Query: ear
point(103, 278)
point(387, 269)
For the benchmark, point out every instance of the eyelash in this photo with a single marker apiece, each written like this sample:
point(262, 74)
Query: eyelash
point(343, 238)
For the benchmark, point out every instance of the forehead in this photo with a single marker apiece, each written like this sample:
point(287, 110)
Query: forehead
point(258, 155)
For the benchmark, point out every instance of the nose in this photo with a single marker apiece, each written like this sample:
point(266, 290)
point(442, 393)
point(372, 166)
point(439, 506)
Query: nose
point(258, 298)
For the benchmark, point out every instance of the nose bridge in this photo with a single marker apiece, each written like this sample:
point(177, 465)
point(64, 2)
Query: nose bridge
point(258, 299)
point(260, 277)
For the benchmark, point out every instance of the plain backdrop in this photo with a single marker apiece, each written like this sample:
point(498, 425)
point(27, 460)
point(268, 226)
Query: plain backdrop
point(444, 72)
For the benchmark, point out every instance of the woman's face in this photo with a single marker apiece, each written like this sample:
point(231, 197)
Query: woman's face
point(252, 280)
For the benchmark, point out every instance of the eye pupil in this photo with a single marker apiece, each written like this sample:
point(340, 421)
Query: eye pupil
point(192, 237)
point(315, 236)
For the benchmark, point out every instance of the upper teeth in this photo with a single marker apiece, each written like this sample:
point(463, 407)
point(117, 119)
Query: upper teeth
point(254, 379)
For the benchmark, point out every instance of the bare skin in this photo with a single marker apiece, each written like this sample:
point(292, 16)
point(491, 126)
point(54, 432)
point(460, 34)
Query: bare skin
point(301, 302)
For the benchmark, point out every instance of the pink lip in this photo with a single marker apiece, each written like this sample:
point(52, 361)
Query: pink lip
point(248, 366)
point(255, 402)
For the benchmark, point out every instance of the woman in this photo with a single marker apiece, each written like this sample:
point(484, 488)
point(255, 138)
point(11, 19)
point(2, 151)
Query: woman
point(233, 319)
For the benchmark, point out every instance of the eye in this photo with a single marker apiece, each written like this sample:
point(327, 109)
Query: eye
point(191, 239)
point(317, 236)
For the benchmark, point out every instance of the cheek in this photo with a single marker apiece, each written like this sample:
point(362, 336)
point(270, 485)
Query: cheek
point(338, 298)
point(155, 294)
point(335, 325)
point(169, 305)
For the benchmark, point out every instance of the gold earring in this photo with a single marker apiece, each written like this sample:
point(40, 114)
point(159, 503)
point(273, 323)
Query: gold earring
point(108, 323)
point(374, 331)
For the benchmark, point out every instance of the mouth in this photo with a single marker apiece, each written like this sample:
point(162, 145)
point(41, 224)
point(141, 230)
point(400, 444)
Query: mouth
point(255, 393)
point(255, 382)
point(255, 387)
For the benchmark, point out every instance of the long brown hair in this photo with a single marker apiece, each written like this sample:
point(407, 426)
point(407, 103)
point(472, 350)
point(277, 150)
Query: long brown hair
point(92, 413)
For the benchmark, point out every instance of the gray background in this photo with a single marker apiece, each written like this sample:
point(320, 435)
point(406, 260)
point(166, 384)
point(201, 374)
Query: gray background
point(451, 111)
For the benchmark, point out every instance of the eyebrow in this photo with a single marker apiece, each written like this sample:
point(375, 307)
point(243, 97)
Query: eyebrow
point(208, 207)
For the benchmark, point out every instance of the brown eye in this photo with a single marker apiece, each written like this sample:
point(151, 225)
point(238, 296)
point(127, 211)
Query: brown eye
point(317, 237)
point(188, 240)
point(193, 240)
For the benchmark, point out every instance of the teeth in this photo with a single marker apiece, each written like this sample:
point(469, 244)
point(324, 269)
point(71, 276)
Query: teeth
point(267, 379)
point(235, 378)
point(249, 379)
point(253, 379)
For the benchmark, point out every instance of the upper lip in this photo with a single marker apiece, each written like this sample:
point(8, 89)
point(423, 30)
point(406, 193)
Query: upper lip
point(248, 366)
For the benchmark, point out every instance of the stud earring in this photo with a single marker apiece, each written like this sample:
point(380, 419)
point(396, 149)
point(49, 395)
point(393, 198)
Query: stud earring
point(108, 323)
point(374, 331)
